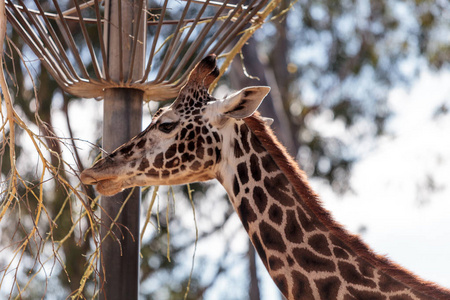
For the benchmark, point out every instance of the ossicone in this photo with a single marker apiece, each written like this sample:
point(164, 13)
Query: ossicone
point(205, 72)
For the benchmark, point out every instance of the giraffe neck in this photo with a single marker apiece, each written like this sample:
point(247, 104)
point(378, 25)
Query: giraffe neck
point(308, 255)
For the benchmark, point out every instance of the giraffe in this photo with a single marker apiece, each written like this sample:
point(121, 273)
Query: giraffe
point(307, 254)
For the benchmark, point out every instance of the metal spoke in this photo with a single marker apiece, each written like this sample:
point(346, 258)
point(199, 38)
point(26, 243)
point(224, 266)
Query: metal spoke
point(177, 40)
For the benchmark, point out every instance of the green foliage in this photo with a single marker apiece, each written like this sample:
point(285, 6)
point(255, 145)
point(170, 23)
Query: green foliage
point(342, 59)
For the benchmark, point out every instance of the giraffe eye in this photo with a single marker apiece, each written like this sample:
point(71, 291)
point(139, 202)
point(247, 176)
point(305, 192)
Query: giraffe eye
point(167, 127)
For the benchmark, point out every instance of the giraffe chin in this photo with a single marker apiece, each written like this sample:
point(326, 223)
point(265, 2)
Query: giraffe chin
point(109, 187)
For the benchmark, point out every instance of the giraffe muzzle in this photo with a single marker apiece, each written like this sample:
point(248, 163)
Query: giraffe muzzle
point(105, 185)
point(90, 177)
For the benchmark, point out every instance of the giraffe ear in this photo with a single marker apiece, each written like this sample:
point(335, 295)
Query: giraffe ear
point(243, 103)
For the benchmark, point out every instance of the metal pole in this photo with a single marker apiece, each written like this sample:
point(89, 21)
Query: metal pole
point(122, 119)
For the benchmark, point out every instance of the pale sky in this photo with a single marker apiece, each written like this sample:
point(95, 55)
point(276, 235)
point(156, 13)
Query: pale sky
point(406, 220)
point(389, 181)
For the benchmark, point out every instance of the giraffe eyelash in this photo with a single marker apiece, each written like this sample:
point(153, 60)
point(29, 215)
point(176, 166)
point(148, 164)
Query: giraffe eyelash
point(167, 127)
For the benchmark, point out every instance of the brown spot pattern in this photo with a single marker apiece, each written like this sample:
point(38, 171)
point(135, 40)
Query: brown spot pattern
point(292, 230)
point(275, 263)
point(218, 155)
point(254, 168)
point(301, 288)
point(276, 214)
point(171, 151)
point(320, 244)
point(281, 283)
point(183, 133)
point(387, 284)
point(127, 149)
point(141, 143)
point(400, 297)
point(259, 248)
point(340, 253)
point(307, 224)
point(256, 144)
point(271, 238)
point(290, 260)
point(246, 213)
point(337, 242)
point(172, 163)
point(328, 288)
point(244, 134)
point(352, 275)
point(152, 173)
point(236, 187)
point(260, 198)
point(242, 172)
point(159, 160)
point(268, 164)
point(276, 187)
point(311, 262)
point(196, 165)
point(365, 295)
point(208, 164)
point(237, 149)
point(144, 164)
point(365, 268)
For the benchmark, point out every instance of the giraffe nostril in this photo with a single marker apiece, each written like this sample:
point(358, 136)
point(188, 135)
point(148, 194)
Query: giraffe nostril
point(86, 178)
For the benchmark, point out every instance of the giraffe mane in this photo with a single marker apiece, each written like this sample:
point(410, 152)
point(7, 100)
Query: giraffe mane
point(298, 179)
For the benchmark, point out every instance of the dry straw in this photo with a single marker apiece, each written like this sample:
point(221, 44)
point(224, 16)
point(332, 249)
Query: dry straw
point(176, 44)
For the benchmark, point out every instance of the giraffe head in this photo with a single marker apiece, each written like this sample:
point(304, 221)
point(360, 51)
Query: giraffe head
point(183, 143)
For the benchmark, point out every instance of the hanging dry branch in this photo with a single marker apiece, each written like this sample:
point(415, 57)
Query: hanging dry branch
point(44, 211)
point(23, 209)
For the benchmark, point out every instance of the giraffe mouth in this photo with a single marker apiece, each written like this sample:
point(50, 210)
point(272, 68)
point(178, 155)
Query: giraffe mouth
point(109, 187)
point(105, 185)
point(88, 178)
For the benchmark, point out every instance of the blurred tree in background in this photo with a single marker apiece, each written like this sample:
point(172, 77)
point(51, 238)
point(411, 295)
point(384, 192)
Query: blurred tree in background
point(339, 59)
point(326, 61)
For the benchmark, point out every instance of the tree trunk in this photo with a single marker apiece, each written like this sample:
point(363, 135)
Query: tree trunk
point(272, 106)
point(253, 292)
